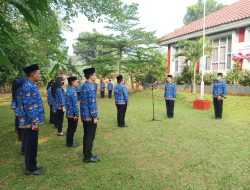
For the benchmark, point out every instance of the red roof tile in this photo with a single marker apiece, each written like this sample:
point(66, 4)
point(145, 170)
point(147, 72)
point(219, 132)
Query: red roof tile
point(231, 13)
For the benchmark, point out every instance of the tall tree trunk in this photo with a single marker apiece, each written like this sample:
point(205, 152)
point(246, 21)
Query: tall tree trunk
point(131, 81)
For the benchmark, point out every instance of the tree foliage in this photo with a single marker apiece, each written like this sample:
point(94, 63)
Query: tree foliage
point(195, 12)
point(30, 32)
point(128, 49)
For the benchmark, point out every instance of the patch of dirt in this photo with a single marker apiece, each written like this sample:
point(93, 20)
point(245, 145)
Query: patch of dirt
point(43, 140)
point(108, 136)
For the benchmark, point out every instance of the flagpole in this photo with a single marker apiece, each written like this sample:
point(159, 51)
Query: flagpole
point(203, 51)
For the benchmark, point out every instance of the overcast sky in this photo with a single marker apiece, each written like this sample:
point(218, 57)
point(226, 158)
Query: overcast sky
point(161, 16)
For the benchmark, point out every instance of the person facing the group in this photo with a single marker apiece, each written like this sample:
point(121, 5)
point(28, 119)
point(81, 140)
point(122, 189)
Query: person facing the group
point(16, 95)
point(102, 88)
point(50, 101)
point(219, 94)
point(58, 95)
point(110, 88)
point(31, 118)
point(89, 114)
point(121, 101)
point(72, 110)
point(170, 95)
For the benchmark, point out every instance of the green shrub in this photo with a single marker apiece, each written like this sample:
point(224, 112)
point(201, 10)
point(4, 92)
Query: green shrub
point(209, 78)
point(245, 78)
point(185, 77)
point(233, 77)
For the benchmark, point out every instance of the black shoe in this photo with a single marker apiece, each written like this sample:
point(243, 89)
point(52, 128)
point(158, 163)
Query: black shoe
point(91, 160)
point(35, 172)
point(218, 118)
point(40, 168)
point(97, 157)
point(74, 145)
point(123, 126)
point(60, 134)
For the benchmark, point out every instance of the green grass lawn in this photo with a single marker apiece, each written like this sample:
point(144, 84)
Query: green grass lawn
point(192, 151)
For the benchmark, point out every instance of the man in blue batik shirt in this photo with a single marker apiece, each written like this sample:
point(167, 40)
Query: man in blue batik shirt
point(89, 114)
point(50, 101)
point(58, 96)
point(121, 101)
point(110, 88)
point(31, 118)
point(219, 93)
point(16, 95)
point(102, 89)
point(170, 95)
point(72, 110)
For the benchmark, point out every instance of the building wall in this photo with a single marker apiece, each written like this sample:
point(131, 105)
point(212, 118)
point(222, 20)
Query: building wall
point(242, 45)
point(238, 42)
point(172, 60)
point(246, 63)
point(248, 34)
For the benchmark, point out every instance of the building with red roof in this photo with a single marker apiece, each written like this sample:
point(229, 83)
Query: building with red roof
point(229, 32)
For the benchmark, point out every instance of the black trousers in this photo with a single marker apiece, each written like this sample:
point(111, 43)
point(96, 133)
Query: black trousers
point(121, 113)
point(51, 115)
point(110, 93)
point(30, 149)
point(88, 138)
point(19, 133)
point(218, 108)
point(170, 108)
point(72, 125)
point(59, 116)
point(102, 94)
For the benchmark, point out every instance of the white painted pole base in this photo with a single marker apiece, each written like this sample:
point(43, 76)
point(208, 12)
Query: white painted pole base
point(202, 90)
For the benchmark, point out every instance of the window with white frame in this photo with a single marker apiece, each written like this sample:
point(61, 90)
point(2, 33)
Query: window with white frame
point(220, 58)
point(229, 53)
point(179, 62)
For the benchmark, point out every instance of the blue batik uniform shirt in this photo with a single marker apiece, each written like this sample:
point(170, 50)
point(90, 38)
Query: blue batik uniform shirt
point(110, 86)
point(88, 104)
point(16, 101)
point(102, 86)
point(170, 91)
point(121, 94)
point(16, 104)
point(31, 105)
point(59, 99)
point(71, 102)
point(219, 88)
point(78, 90)
point(49, 96)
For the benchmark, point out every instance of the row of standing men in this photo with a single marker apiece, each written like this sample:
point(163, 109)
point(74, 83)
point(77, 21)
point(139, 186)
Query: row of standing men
point(28, 106)
point(29, 111)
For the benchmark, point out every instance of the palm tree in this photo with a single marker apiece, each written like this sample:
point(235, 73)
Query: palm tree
point(192, 51)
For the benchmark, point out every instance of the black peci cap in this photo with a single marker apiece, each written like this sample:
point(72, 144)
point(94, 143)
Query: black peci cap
point(220, 74)
point(30, 69)
point(170, 76)
point(71, 79)
point(89, 71)
point(119, 78)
